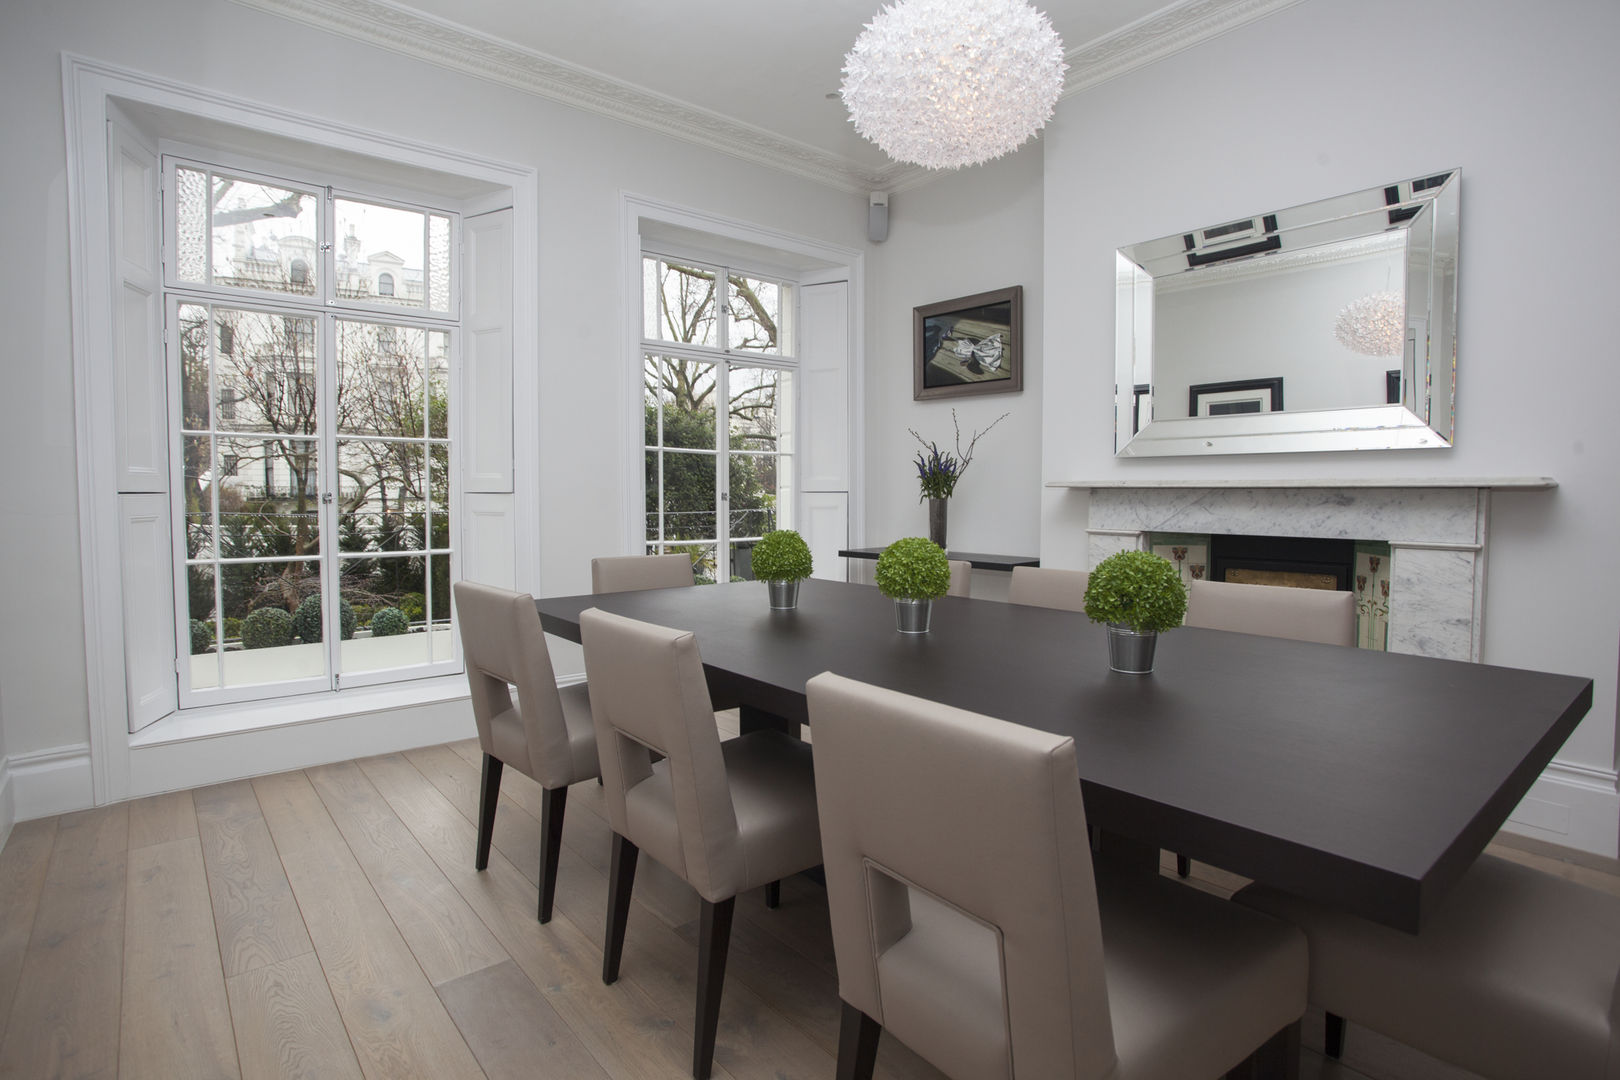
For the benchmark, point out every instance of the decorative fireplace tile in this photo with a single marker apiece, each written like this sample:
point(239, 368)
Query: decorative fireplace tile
point(1372, 595)
point(1189, 553)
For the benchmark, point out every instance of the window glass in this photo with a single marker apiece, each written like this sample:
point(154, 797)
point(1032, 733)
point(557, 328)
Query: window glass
point(391, 255)
point(679, 302)
point(755, 307)
point(257, 232)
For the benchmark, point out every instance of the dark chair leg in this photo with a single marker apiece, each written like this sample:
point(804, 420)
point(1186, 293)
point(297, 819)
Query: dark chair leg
point(773, 895)
point(1333, 1036)
point(489, 795)
point(621, 877)
point(553, 801)
point(714, 935)
point(857, 1043)
point(1183, 865)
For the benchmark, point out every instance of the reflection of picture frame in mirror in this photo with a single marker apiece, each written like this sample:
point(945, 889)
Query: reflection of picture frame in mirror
point(1141, 399)
point(1392, 386)
point(970, 345)
point(1235, 397)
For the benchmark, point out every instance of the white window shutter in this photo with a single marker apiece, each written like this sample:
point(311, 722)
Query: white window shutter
point(826, 530)
point(824, 444)
point(141, 387)
point(487, 355)
point(148, 595)
point(489, 543)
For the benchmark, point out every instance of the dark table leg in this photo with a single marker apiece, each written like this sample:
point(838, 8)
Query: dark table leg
point(751, 719)
point(1124, 853)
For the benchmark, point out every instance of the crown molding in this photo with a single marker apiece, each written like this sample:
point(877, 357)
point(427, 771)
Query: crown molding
point(1161, 34)
point(446, 44)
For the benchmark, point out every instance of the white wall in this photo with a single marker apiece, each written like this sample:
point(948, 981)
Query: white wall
point(1331, 96)
point(961, 234)
point(583, 163)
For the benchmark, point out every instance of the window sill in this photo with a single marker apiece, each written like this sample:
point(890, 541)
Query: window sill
point(214, 721)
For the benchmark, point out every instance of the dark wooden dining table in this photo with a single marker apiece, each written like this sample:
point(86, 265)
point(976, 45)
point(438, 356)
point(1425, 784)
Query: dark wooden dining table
point(1361, 779)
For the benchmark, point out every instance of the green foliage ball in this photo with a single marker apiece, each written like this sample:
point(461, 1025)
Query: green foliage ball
point(267, 628)
point(202, 636)
point(307, 619)
point(781, 556)
point(914, 568)
point(390, 622)
point(1137, 589)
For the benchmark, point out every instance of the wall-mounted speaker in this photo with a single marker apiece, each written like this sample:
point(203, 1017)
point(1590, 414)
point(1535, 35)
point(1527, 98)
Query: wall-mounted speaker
point(877, 217)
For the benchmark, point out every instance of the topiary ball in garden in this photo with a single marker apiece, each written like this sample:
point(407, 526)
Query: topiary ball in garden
point(914, 568)
point(781, 556)
point(1137, 589)
point(307, 619)
point(267, 628)
point(202, 636)
point(390, 622)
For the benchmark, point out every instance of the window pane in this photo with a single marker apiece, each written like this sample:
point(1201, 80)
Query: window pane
point(689, 506)
point(440, 632)
point(438, 358)
point(382, 490)
point(389, 599)
point(383, 254)
point(191, 225)
point(702, 556)
point(380, 388)
point(683, 390)
point(198, 471)
point(194, 361)
point(204, 629)
point(439, 491)
point(756, 315)
point(679, 302)
point(266, 376)
point(269, 497)
point(259, 231)
point(761, 412)
point(267, 598)
point(438, 290)
point(753, 495)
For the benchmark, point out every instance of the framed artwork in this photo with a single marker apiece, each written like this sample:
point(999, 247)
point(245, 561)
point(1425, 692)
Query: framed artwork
point(970, 345)
point(1238, 396)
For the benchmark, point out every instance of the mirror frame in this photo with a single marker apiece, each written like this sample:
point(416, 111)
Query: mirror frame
point(1425, 418)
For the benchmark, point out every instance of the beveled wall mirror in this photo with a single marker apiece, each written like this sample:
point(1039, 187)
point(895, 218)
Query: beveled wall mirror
point(1328, 326)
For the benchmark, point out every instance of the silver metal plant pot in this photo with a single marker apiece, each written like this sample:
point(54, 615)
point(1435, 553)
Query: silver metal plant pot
point(1130, 652)
point(911, 616)
point(784, 594)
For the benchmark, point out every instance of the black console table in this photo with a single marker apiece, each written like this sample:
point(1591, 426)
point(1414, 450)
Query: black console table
point(978, 559)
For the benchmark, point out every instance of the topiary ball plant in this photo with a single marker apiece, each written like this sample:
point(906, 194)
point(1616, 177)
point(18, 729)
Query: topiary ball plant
point(390, 622)
point(307, 619)
point(914, 568)
point(781, 556)
point(1137, 589)
point(267, 628)
point(202, 636)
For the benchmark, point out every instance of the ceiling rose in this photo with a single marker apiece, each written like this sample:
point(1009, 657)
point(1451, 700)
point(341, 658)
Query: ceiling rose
point(1373, 325)
point(948, 83)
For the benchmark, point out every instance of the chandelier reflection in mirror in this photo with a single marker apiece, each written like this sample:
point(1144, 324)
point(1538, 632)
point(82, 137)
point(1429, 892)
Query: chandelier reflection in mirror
point(948, 83)
point(1373, 325)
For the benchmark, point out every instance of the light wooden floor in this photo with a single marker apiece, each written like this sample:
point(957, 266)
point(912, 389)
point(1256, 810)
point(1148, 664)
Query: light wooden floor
point(328, 923)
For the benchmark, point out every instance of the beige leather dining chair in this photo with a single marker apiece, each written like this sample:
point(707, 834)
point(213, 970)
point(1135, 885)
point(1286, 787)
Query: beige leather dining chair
point(725, 817)
point(629, 573)
point(546, 734)
point(1322, 615)
point(1513, 977)
point(967, 923)
point(1041, 586)
point(961, 578)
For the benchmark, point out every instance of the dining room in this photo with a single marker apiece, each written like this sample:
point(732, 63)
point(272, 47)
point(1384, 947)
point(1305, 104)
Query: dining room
point(1263, 279)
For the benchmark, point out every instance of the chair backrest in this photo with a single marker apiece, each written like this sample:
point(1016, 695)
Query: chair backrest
point(987, 817)
point(1274, 611)
point(648, 693)
point(961, 578)
point(1042, 586)
point(629, 573)
point(505, 647)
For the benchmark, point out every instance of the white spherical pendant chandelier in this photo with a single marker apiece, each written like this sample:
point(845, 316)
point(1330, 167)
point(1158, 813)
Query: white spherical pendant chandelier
point(948, 83)
point(1373, 325)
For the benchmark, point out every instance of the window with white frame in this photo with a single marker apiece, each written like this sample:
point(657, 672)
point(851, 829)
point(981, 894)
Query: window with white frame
point(311, 336)
point(718, 411)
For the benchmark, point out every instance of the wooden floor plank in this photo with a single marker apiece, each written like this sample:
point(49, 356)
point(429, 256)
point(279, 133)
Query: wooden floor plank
point(23, 865)
point(254, 911)
point(512, 1029)
point(287, 1025)
point(66, 1023)
point(158, 819)
point(448, 940)
point(396, 1023)
point(623, 1030)
point(176, 1018)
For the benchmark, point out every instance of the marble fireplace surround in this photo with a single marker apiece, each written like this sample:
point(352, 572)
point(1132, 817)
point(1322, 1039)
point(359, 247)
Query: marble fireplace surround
point(1437, 530)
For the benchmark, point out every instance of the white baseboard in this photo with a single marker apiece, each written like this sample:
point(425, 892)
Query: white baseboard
point(1574, 806)
point(8, 812)
point(51, 781)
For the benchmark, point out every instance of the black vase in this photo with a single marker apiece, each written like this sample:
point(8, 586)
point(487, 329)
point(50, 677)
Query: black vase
point(936, 520)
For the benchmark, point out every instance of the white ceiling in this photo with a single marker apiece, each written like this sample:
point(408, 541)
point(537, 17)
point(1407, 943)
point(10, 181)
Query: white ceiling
point(750, 79)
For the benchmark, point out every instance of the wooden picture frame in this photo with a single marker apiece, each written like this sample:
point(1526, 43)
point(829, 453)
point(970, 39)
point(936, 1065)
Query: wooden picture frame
point(970, 345)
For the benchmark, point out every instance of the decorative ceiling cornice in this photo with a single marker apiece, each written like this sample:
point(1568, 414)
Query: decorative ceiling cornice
point(449, 45)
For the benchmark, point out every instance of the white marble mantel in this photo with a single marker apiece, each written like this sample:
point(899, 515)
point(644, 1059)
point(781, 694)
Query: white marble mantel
point(1437, 530)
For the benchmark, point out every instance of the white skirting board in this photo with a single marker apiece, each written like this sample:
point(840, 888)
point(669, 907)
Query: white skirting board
point(8, 812)
point(52, 781)
point(1573, 806)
